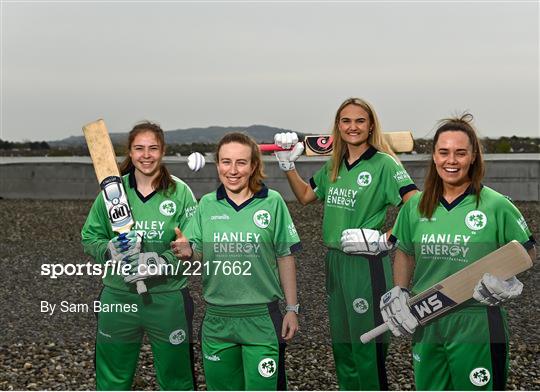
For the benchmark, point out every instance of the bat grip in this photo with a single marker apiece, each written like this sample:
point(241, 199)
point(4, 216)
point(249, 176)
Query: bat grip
point(141, 287)
point(270, 147)
point(370, 335)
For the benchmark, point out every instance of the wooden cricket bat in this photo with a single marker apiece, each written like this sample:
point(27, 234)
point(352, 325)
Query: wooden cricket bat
point(321, 145)
point(110, 181)
point(505, 262)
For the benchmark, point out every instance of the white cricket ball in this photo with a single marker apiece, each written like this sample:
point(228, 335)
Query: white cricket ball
point(196, 161)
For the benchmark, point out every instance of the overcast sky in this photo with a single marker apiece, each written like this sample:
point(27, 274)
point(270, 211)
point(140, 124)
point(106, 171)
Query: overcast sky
point(283, 64)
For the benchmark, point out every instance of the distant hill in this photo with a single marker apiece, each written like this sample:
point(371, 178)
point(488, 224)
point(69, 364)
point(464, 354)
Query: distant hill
point(209, 135)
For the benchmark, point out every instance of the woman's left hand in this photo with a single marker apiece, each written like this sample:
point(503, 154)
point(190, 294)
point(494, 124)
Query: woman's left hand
point(290, 326)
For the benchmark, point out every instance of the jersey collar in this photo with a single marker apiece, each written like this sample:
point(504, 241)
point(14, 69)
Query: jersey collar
point(459, 199)
point(133, 185)
point(368, 154)
point(221, 194)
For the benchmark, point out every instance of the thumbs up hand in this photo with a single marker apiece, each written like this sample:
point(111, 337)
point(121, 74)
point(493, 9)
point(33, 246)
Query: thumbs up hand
point(181, 246)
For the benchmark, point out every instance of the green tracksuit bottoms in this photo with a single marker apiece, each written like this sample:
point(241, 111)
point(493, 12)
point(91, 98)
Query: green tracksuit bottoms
point(166, 318)
point(242, 347)
point(354, 285)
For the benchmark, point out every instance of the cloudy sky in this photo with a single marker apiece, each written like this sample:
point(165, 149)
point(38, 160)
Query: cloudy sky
point(284, 64)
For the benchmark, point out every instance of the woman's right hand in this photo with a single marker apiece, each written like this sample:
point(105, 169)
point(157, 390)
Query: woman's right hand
point(181, 246)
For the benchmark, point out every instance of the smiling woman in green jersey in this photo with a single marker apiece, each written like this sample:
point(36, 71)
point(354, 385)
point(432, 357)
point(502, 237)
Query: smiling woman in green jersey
point(451, 224)
point(243, 239)
point(356, 185)
point(160, 203)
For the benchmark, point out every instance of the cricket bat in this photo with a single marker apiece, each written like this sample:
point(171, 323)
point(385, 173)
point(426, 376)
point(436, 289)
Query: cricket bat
point(109, 179)
point(321, 145)
point(505, 262)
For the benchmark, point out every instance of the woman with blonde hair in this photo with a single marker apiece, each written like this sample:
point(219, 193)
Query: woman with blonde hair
point(356, 185)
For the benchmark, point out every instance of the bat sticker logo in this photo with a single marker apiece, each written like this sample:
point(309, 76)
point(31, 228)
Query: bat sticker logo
point(430, 305)
point(321, 145)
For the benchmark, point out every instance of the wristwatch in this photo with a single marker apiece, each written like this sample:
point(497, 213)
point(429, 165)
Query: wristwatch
point(292, 308)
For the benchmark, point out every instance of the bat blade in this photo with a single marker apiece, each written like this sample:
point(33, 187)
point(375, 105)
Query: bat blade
point(321, 145)
point(108, 175)
point(505, 262)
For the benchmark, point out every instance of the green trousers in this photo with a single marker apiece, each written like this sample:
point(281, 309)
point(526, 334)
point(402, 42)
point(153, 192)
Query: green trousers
point(464, 350)
point(354, 285)
point(166, 318)
point(242, 348)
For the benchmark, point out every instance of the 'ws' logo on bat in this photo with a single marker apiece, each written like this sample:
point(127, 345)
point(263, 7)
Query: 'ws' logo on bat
point(430, 305)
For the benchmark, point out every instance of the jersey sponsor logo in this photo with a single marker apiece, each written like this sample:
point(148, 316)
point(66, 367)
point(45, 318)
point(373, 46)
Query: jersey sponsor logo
point(267, 367)
point(292, 230)
point(176, 337)
point(521, 222)
point(445, 246)
point(341, 197)
point(150, 230)
point(479, 376)
point(431, 304)
point(213, 358)
point(476, 220)
point(360, 305)
point(401, 175)
point(167, 208)
point(190, 211)
point(364, 179)
point(262, 219)
point(220, 217)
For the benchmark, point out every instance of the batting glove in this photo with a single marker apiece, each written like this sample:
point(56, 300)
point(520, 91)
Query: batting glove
point(364, 242)
point(124, 246)
point(491, 290)
point(396, 312)
point(286, 158)
point(148, 264)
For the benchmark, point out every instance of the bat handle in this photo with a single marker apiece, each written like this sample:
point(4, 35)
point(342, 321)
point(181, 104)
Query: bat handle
point(270, 147)
point(141, 287)
point(370, 335)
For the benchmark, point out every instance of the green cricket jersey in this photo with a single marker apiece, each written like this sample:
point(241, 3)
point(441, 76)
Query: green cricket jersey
point(458, 233)
point(240, 246)
point(361, 193)
point(156, 216)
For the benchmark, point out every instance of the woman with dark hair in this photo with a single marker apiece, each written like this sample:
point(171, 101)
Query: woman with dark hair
point(451, 224)
point(357, 185)
point(243, 240)
point(160, 203)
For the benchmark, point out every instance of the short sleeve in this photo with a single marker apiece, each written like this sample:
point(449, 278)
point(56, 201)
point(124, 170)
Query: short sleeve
point(402, 231)
point(398, 181)
point(286, 239)
point(512, 225)
point(319, 181)
point(193, 231)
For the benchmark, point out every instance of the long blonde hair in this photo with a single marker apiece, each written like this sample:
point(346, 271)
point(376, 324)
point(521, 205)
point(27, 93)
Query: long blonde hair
point(375, 138)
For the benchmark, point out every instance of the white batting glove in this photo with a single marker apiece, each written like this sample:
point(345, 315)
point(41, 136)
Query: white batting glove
point(286, 158)
point(148, 264)
point(364, 242)
point(491, 290)
point(124, 246)
point(396, 312)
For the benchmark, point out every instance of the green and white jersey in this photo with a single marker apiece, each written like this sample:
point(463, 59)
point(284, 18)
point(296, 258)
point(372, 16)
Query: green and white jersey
point(155, 216)
point(361, 193)
point(240, 246)
point(458, 233)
